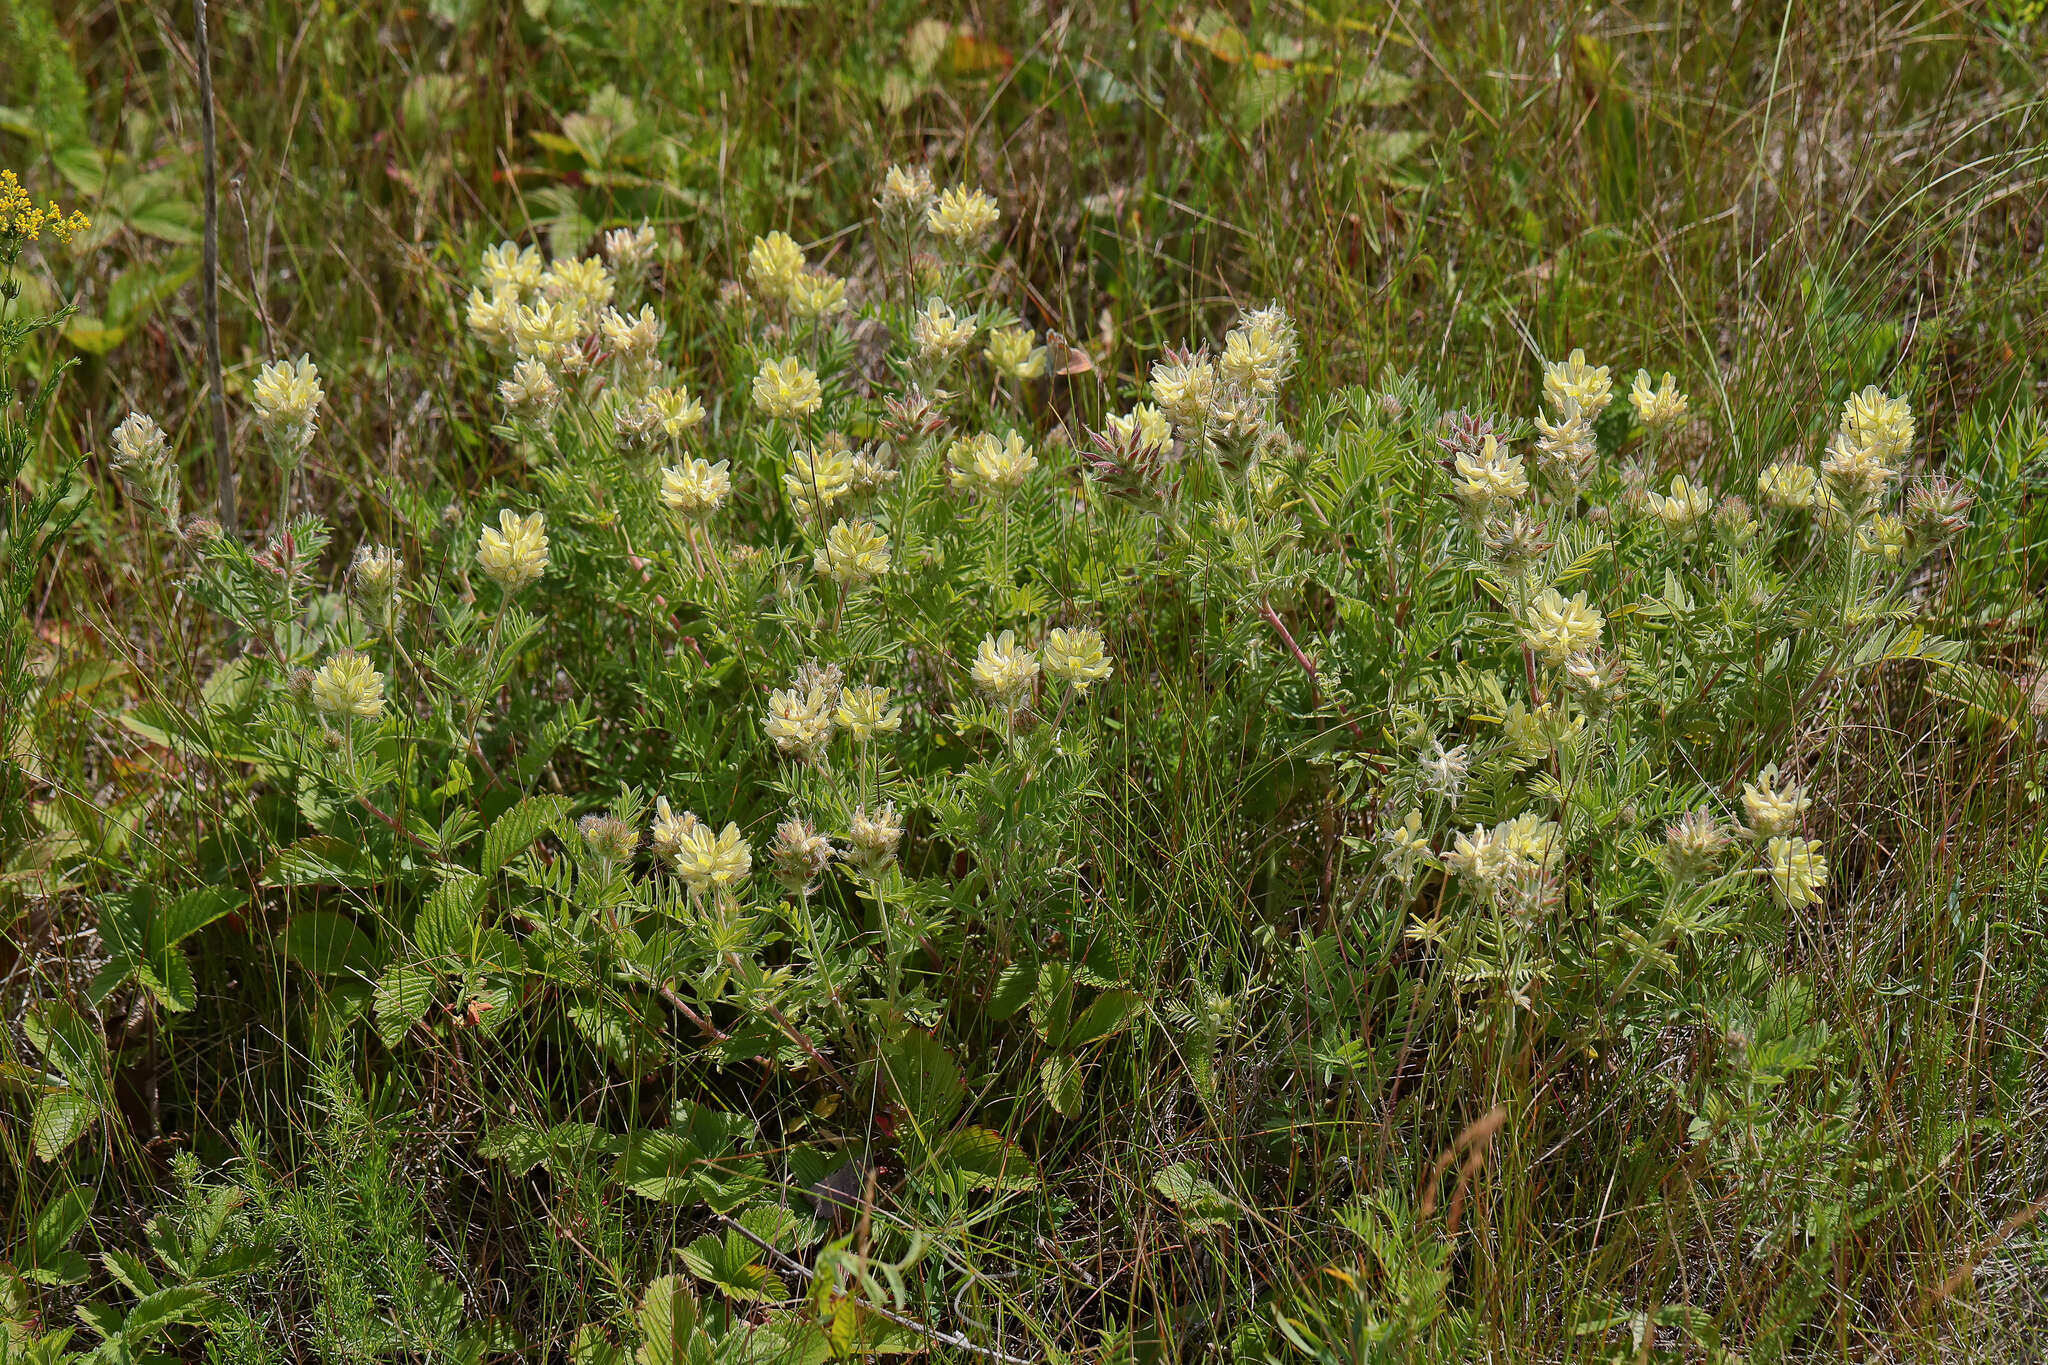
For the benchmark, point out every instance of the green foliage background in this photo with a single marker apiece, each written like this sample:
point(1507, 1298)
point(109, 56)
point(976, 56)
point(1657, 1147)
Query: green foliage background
point(347, 1050)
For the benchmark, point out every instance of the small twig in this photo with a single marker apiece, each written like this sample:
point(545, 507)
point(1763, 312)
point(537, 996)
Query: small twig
point(217, 398)
point(703, 1025)
point(1308, 667)
point(909, 1324)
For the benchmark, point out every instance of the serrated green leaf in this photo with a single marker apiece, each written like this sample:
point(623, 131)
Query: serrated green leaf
point(59, 1118)
point(1060, 1077)
point(402, 996)
point(667, 1320)
point(987, 1160)
point(514, 831)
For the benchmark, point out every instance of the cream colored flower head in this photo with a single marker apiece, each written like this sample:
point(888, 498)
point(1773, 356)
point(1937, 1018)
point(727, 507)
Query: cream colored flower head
point(1144, 425)
point(630, 338)
point(583, 287)
point(1787, 487)
point(1075, 657)
point(1184, 386)
point(773, 264)
point(347, 685)
point(800, 720)
point(992, 466)
point(799, 855)
point(510, 266)
point(872, 838)
point(1259, 351)
point(1797, 869)
point(1693, 844)
point(906, 190)
point(609, 837)
point(1682, 510)
point(1004, 669)
point(288, 396)
point(1557, 629)
point(669, 830)
point(1443, 771)
point(545, 330)
point(815, 295)
point(939, 332)
point(667, 411)
point(1857, 470)
point(630, 250)
point(1565, 448)
point(1478, 857)
point(514, 553)
point(1880, 424)
point(1573, 379)
point(374, 572)
point(531, 391)
point(865, 712)
point(1488, 479)
point(962, 216)
point(1658, 407)
point(817, 478)
point(787, 389)
point(854, 552)
point(1408, 847)
point(708, 862)
point(494, 317)
point(695, 488)
point(1773, 808)
point(1012, 352)
point(1882, 537)
point(142, 457)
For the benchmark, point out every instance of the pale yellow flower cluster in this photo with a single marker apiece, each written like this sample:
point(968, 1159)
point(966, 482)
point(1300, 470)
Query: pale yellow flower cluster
point(695, 488)
point(514, 553)
point(787, 389)
point(347, 686)
point(1004, 669)
point(962, 216)
point(991, 466)
point(1557, 629)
